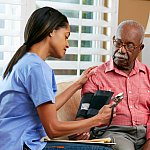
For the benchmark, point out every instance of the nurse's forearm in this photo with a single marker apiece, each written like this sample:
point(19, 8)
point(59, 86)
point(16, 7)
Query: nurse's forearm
point(63, 97)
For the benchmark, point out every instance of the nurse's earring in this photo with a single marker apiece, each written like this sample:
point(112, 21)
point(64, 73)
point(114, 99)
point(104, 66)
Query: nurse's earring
point(50, 35)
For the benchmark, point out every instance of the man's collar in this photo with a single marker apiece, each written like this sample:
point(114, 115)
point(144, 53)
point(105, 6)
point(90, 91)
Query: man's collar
point(110, 65)
point(137, 67)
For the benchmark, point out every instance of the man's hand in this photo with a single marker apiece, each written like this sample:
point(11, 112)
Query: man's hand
point(147, 145)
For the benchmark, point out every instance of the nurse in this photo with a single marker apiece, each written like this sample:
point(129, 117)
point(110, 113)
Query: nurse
point(28, 101)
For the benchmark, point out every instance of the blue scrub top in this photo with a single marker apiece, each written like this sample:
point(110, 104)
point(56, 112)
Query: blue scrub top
point(30, 84)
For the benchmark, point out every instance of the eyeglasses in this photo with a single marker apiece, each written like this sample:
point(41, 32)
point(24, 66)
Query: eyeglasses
point(129, 46)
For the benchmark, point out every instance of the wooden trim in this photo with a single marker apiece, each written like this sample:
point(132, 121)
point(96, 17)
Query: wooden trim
point(147, 35)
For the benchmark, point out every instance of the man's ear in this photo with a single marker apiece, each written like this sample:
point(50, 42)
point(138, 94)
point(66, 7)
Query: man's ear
point(113, 37)
point(142, 46)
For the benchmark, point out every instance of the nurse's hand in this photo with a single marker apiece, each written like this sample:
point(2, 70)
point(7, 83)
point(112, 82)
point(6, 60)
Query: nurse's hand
point(85, 75)
point(105, 114)
point(80, 136)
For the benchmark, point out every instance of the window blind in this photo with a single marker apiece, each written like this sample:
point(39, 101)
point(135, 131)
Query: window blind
point(10, 30)
point(92, 23)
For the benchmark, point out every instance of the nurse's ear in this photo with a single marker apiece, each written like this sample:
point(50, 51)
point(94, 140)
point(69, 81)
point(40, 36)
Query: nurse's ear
point(50, 35)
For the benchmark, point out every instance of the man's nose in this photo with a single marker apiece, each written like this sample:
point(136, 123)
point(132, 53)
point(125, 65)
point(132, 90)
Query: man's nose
point(122, 49)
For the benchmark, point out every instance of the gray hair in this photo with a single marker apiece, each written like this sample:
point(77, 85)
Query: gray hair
point(134, 24)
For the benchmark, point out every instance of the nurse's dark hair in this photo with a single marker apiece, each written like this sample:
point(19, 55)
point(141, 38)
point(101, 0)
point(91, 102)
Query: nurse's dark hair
point(41, 23)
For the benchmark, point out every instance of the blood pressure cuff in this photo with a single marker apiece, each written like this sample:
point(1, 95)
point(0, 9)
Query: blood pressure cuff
point(91, 103)
point(84, 105)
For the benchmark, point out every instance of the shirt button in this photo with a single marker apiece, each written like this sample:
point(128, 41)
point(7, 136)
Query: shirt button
point(128, 78)
point(134, 123)
point(130, 92)
point(131, 106)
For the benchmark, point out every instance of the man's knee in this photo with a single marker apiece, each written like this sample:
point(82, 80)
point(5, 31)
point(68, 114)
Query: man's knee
point(123, 143)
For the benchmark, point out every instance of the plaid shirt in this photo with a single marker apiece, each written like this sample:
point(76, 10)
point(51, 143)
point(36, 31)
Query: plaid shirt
point(134, 109)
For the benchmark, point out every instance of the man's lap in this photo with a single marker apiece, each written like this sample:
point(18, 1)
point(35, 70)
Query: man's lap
point(127, 138)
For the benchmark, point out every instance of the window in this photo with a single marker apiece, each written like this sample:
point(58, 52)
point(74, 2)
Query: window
point(10, 33)
point(92, 24)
